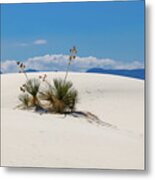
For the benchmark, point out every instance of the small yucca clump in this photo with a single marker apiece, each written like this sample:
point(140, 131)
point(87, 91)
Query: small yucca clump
point(32, 87)
point(62, 97)
point(30, 91)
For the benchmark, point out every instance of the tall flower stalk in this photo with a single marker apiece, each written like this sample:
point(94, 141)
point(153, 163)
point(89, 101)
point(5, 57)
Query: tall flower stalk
point(72, 56)
point(22, 67)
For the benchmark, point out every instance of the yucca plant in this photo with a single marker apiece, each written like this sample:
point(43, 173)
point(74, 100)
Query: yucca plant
point(32, 87)
point(62, 97)
point(65, 95)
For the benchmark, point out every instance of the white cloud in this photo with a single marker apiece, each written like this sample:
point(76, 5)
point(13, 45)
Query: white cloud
point(59, 62)
point(40, 41)
point(36, 42)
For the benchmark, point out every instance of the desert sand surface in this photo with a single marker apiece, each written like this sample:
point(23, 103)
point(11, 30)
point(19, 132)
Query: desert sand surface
point(30, 139)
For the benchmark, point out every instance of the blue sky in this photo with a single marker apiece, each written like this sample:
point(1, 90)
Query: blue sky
point(104, 30)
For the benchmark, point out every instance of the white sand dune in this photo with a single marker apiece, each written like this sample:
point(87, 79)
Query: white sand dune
point(34, 140)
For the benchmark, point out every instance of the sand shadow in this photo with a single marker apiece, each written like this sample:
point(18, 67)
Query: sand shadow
point(91, 118)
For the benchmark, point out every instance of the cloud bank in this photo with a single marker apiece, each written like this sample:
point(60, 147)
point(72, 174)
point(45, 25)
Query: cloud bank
point(59, 62)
